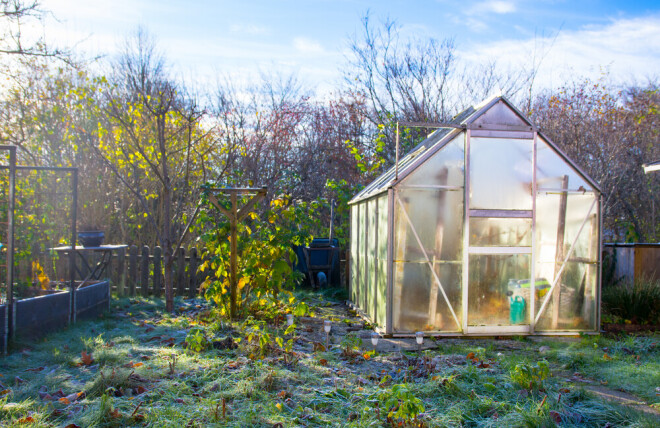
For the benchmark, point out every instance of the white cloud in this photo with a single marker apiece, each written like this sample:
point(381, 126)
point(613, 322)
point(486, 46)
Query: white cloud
point(500, 7)
point(626, 48)
point(307, 46)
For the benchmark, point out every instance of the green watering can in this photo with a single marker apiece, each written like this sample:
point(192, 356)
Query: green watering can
point(517, 310)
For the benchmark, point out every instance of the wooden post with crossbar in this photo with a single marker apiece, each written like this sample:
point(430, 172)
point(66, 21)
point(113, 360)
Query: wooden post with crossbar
point(235, 214)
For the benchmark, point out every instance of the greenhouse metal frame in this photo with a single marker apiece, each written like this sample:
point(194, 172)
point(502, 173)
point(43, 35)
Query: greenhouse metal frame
point(448, 239)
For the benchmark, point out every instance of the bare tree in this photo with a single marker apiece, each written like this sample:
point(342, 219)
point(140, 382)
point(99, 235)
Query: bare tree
point(150, 139)
point(13, 16)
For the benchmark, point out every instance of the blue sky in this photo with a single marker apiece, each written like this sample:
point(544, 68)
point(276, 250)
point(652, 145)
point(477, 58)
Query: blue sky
point(241, 39)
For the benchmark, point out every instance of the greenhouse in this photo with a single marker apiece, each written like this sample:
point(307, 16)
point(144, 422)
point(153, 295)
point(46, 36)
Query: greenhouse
point(448, 240)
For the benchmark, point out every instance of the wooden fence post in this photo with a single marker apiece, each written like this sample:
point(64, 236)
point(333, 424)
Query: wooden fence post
point(158, 262)
point(144, 271)
point(132, 270)
point(192, 274)
point(121, 272)
point(180, 271)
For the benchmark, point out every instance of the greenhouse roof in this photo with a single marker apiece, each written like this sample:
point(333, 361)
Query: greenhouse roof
point(446, 132)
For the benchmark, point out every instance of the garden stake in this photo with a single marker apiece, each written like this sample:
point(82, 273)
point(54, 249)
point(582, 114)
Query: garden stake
point(235, 215)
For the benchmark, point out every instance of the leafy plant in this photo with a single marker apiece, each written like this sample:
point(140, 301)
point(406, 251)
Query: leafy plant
point(196, 340)
point(350, 345)
point(638, 301)
point(531, 376)
point(401, 404)
point(265, 259)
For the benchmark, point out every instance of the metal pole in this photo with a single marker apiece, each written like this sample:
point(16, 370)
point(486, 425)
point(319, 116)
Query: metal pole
point(9, 313)
point(396, 162)
point(73, 252)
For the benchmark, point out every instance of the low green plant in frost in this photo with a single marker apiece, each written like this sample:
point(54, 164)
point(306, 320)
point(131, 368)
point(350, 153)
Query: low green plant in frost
point(196, 340)
point(401, 404)
point(530, 376)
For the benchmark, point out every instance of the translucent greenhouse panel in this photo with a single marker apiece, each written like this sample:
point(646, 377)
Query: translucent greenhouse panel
point(360, 256)
point(491, 279)
point(445, 168)
point(354, 253)
point(421, 299)
point(370, 277)
point(381, 254)
point(422, 307)
point(365, 272)
point(500, 173)
point(569, 235)
point(437, 218)
point(552, 168)
point(500, 232)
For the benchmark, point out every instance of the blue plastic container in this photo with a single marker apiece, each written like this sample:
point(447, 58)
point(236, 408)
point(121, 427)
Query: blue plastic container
point(517, 310)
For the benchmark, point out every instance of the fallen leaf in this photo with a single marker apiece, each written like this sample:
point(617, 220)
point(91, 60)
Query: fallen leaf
point(37, 369)
point(116, 414)
point(5, 391)
point(86, 358)
point(149, 329)
point(282, 394)
point(72, 426)
point(366, 356)
point(607, 357)
point(18, 380)
point(564, 390)
point(64, 400)
point(140, 390)
point(179, 400)
point(26, 420)
point(145, 358)
point(323, 362)
point(132, 365)
point(555, 416)
point(470, 356)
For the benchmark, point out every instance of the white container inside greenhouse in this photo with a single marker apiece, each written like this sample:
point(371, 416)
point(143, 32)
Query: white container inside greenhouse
point(448, 240)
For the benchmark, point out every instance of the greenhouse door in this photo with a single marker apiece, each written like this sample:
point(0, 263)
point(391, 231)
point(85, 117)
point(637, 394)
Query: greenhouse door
point(497, 286)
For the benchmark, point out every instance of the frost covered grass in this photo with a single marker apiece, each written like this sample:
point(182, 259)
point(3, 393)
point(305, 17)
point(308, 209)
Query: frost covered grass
point(138, 369)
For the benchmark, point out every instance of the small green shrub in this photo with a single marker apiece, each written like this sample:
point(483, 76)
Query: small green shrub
point(401, 404)
point(350, 345)
point(196, 340)
point(638, 302)
point(530, 376)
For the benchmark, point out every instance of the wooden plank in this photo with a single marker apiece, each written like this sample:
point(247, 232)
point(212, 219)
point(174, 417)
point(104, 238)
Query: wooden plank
point(158, 263)
point(180, 271)
point(132, 269)
point(144, 271)
point(233, 259)
point(192, 273)
point(121, 272)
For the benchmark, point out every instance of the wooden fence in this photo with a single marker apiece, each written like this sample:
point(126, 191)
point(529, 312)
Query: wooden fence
point(133, 271)
point(139, 271)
